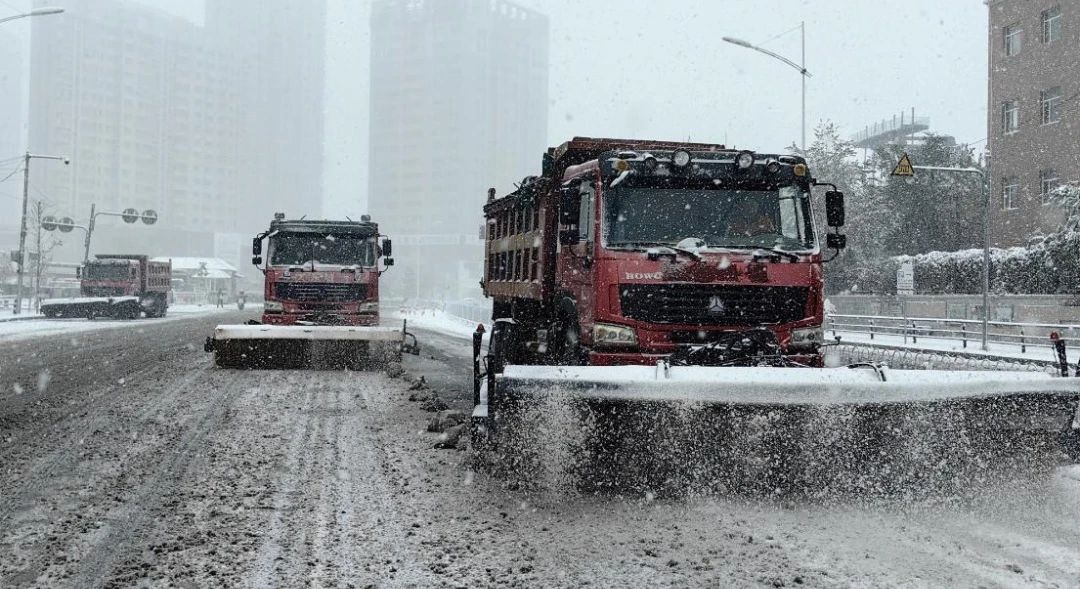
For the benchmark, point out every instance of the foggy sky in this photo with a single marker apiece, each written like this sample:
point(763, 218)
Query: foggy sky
point(636, 68)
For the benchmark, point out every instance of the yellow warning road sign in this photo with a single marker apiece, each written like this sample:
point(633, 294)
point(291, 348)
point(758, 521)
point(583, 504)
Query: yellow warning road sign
point(903, 167)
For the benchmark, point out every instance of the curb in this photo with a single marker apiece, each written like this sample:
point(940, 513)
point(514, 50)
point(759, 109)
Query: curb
point(10, 319)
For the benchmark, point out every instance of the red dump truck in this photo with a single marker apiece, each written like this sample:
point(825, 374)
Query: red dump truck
point(119, 286)
point(322, 299)
point(661, 303)
point(629, 251)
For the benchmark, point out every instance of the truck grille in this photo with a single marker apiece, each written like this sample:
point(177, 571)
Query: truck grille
point(707, 304)
point(319, 292)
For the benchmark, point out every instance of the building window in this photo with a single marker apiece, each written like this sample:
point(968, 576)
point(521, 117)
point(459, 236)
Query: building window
point(1010, 116)
point(1051, 24)
point(1050, 105)
point(1010, 194)
point(1048, 181)
point(1014, 36)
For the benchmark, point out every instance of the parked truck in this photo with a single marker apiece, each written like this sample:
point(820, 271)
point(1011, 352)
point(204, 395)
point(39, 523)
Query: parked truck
point(119, 286)
point(672, 295)
point(321, 291)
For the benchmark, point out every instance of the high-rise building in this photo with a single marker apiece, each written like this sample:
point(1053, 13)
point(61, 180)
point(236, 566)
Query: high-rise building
point(12, 130)
point(281, 50)
point(214, 126)
point(143, 105)
point(459, 92)
point(1034, 122)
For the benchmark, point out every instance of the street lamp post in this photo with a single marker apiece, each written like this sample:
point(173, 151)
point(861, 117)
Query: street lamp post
point(36, 12)
point(986, 238)
point(801, 67)
point(22, 226)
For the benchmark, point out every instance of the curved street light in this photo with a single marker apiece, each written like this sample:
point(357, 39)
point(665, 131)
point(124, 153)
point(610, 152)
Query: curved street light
point(801, 68)
point(36, 12)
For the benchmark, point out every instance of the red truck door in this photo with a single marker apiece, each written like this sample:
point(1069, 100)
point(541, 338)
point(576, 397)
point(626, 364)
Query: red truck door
point(577, 260)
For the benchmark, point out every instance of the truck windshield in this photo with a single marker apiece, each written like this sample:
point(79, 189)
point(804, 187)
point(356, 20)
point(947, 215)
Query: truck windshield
point(106, 272)
point(298, 249)
point(723, 218)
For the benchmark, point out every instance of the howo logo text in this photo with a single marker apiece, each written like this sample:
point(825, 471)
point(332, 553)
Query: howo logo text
point(644, 275)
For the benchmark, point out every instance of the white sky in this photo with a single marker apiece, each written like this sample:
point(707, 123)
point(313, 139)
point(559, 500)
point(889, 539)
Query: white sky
point(659, 69)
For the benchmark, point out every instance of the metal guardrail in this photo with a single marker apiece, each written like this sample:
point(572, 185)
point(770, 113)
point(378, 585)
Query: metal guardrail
point(966, 331)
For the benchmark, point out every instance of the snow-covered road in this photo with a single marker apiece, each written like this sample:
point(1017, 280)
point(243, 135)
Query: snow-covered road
point(152, 468)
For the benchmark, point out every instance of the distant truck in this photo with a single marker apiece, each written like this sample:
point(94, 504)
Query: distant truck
point(117, 286)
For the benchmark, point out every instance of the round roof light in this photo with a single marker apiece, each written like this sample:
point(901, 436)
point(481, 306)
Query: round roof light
point(744, 160)
point(651, 163)
point(772, 167)
point(681, 158)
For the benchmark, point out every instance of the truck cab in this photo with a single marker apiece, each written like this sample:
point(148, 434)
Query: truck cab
point(673, 248)
point(321, 272)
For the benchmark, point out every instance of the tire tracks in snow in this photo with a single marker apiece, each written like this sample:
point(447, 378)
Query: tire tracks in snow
point(165, 475)
point(45, 470)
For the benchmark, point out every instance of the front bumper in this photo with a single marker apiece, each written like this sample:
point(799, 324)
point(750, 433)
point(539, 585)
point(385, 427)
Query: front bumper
point(321, 318)
point(650, 359)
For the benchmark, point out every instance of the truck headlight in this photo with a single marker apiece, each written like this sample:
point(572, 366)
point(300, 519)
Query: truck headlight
point(369, 307)
point(806, 338)
point(605, 334)
point(273, 307)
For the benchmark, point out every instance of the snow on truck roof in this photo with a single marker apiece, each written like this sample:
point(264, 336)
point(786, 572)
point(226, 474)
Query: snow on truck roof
point(364, 228)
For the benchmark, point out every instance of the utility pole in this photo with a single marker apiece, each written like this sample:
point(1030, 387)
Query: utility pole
point(22, 226)
point(22, 233)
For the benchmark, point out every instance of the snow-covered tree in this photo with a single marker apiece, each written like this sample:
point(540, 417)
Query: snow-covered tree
point(934, 211)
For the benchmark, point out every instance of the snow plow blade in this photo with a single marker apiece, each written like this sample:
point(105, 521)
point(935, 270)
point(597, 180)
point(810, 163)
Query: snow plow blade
point(92, 307)
point(764, 429)
point(308, 346)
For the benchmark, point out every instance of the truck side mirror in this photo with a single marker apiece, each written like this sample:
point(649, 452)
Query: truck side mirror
point(836, 241)
point(256, 246)
point(834, 208)
point(388, 261)
point(256, 260)
point(387, 248)
point(569, 205)
point(78, 272)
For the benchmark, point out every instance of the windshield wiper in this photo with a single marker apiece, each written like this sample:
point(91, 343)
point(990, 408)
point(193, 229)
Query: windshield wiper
point(671, 248)
point(760, 252)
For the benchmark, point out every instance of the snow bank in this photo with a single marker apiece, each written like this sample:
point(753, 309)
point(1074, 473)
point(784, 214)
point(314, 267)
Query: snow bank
point(31, 328)
point(441, 322)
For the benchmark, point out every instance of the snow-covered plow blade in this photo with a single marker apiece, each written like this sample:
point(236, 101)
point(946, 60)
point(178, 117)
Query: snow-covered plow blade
point(125, 307)
point(308, 346)
point(765, 429)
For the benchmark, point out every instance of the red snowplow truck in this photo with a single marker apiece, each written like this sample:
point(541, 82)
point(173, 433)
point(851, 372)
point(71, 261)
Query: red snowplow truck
point(627, 252)
point(119, 286)
point(321, 287)
point(667, 298)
